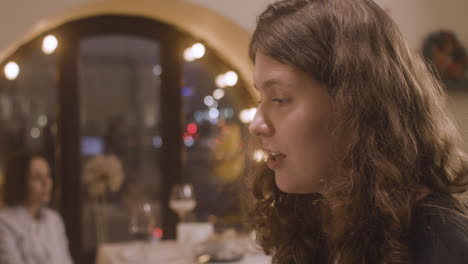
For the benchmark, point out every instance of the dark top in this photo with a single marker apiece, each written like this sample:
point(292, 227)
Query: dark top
point(438, 235)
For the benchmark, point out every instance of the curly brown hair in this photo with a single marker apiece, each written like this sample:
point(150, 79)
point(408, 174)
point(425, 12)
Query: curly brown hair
point(395, 140)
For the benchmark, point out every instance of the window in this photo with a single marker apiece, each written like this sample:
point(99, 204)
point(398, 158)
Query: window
point(120, 85)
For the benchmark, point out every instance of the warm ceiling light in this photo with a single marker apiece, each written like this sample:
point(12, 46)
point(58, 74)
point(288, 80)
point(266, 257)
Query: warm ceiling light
point(49, 44)
point(221, 81)
point(246, 116)
point(231, 78)
point(188, 54)
point(11, 70)
point(198, 50)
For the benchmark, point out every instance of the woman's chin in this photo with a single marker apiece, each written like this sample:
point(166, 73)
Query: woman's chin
point(288, 186)
point(45, 200)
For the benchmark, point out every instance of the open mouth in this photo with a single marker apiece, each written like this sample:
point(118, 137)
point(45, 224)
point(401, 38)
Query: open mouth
point(276, 156)
point(274, 159)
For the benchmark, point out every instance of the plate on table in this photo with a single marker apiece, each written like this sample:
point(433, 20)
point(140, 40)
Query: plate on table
point(213, 258)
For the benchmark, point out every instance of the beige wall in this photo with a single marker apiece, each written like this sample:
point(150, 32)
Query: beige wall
point(415, 17)
point(458, 106)
point(21, 17)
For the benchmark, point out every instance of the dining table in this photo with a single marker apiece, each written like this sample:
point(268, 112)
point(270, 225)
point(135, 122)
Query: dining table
point(163, 252)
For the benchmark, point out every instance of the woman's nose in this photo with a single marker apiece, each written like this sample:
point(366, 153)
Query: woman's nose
point(259, 126)
point(47, 183)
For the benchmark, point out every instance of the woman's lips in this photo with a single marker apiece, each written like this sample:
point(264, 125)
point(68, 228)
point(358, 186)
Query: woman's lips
point(274, 161)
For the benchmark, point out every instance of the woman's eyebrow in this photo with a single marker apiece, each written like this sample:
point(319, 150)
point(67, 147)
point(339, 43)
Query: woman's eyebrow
point(269, 83)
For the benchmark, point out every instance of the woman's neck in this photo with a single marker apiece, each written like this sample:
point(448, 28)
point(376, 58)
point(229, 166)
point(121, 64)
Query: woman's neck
point(33, 210)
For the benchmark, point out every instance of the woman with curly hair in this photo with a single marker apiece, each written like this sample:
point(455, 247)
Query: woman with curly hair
point(363, 160)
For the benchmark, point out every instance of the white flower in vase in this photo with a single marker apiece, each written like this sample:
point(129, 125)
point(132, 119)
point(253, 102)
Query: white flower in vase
point(102, 174)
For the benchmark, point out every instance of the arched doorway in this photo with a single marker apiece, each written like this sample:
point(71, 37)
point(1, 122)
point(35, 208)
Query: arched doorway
point(119, 84)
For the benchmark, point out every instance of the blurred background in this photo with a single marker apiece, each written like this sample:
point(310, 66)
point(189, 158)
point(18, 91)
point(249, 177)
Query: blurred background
point(157, 93)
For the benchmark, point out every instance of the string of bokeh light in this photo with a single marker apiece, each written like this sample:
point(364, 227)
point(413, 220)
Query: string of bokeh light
point(224, 80)
point(196, 51)
point(228, 79)
point(49, 45)
point(246, 116)
point(259, 156)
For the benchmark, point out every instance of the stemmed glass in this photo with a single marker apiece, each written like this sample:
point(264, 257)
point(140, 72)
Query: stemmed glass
point(182, 200)
point(142, 223)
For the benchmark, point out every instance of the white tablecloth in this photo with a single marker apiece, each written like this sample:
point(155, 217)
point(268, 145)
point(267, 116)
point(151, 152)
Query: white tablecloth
point(164, 252)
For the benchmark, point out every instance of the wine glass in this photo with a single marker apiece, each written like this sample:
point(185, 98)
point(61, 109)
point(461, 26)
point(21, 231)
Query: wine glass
point(142, 221)
point(182, 200)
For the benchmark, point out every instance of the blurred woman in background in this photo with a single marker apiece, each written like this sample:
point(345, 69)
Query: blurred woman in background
point(30, 233)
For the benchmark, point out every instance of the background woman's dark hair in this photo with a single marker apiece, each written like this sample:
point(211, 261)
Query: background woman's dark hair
point(394, 136)
point(16, 172)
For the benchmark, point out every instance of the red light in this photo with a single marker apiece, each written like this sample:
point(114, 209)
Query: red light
point(186, 135)
point(192, 128)
point(157, 233)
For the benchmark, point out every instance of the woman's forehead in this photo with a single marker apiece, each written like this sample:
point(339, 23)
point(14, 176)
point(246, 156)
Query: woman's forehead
point(269, 72)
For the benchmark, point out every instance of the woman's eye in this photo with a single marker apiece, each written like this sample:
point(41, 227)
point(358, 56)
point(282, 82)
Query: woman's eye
point(278, 100)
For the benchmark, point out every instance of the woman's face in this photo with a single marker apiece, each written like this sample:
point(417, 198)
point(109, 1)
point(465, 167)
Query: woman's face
point(293, 125)
point(39, 182)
